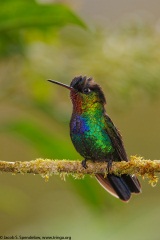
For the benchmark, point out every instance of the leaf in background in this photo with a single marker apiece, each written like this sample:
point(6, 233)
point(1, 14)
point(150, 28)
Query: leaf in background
point(22, 14)
point(46, 144)
point(16, 15)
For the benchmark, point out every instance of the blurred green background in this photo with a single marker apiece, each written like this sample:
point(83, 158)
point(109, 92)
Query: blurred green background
point(38, 41)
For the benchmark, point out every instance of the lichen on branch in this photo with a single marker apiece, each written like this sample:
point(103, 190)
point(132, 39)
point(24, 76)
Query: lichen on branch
point(48, 167)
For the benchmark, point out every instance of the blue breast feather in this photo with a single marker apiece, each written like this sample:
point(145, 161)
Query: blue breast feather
point(79, 125)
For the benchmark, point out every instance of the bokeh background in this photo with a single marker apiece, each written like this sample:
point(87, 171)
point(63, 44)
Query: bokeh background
point(117, 43)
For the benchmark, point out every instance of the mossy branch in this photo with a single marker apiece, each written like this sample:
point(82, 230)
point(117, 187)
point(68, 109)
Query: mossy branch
point(47, 167)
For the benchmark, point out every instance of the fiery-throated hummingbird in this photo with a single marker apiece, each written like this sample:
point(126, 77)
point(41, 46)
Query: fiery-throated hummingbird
point(95, 136)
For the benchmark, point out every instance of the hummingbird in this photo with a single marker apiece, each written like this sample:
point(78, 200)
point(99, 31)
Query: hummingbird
point(95, 137)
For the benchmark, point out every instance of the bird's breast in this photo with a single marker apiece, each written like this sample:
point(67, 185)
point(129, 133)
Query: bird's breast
point(78, 125)
point(89, 136)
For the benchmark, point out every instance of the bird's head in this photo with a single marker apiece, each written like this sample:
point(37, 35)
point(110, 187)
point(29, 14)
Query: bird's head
point(84, 92)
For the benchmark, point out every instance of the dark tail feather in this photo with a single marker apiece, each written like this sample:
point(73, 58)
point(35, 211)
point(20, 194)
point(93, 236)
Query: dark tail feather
point(132, 183)
point(120, 187)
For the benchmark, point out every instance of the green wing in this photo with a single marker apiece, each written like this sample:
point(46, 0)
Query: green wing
point(116, 139)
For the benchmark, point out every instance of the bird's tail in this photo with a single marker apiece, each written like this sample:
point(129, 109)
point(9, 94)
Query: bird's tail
point(121, 187)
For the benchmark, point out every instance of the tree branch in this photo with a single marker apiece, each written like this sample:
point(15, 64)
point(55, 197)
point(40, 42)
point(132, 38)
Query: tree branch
point(47, 167)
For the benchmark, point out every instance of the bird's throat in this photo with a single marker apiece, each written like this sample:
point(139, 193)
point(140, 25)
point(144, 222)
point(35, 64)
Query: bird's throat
point(89, 110)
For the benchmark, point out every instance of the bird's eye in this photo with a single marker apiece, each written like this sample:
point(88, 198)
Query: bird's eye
point(86, 90)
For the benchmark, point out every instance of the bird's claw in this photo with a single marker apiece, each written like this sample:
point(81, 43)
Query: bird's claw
point(84, 163)
point(109, 166)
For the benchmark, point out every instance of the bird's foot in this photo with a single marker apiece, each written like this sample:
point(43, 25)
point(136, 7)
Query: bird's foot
point(109, 166)
point(84, 163)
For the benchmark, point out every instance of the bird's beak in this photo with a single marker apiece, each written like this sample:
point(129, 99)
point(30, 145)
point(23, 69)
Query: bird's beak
point(61, 84)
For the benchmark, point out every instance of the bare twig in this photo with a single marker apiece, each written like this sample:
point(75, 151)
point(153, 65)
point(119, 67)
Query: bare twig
point(47, 167)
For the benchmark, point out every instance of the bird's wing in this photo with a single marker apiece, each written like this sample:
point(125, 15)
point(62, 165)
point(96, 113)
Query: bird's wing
point(116, 140)
point(121, 186)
